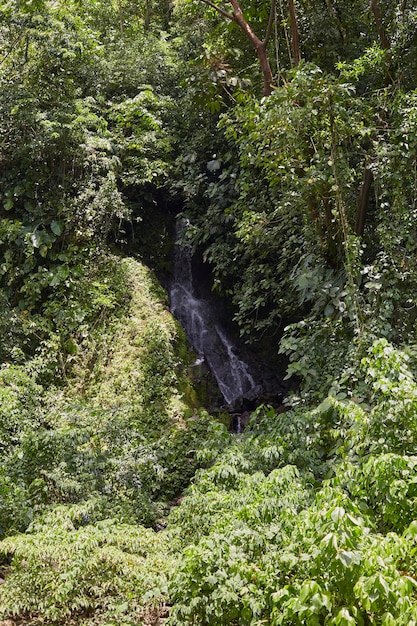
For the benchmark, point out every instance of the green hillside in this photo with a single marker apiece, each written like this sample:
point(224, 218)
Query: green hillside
point(284, 134)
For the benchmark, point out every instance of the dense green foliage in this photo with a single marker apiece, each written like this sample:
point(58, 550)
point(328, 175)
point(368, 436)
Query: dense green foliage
point(269, 541)
point(122, 501)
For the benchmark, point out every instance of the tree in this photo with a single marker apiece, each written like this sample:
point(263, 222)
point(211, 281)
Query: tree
point(260, 45)
point(385, 43)
point(294, 33)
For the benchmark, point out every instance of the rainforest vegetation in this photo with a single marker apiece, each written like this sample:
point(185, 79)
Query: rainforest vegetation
point(286, 132)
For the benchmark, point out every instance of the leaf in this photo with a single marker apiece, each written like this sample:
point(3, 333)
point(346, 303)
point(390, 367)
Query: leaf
point(411, 531)
point(214, 165)
point(58, 275)
point(373, 286)
point(8, 204)
point(321, 600)
point(382, 584)
point(57, 227)
point(18, 190)
point(348, 558)
point(344, 618)
point(36, 239)
point(338, 514)
point(345, 557)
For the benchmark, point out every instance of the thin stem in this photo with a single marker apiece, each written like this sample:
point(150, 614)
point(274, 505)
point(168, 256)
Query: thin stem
point(363, 202)
point(12, 47)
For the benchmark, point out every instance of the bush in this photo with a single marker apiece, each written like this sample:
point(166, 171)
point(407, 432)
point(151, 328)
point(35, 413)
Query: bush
point(67, 568)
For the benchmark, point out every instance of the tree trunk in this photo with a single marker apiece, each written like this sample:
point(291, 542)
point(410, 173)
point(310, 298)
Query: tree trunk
point(363, 202)
point(383, 38)
point(148, 12)
point(260, 46)
point(295, 37)
point(266, 69)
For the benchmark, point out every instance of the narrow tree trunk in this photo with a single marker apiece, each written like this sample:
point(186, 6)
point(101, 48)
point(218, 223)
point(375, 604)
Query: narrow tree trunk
point(266, 69)
point(295, 37)
point(26, 49)
point(383, 38)
point(363, 202)
point(167, 14)
point(148, 12)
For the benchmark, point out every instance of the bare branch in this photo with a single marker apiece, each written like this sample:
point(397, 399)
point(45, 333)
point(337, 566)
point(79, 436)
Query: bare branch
point(236, 7)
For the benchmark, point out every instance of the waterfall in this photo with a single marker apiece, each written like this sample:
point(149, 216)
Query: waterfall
point(199, 320)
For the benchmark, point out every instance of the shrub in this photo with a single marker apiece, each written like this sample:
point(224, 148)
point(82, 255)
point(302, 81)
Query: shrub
point(66, 568)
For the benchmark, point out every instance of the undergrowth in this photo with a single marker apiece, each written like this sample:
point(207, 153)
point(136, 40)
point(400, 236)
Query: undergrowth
point(309, 517)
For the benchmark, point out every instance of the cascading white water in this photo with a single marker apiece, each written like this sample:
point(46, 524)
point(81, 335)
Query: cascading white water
point(204, 332)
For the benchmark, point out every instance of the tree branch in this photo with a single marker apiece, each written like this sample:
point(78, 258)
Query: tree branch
point(259, 45)
point(121, 21)
point(244, 25)
point(229, 16)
